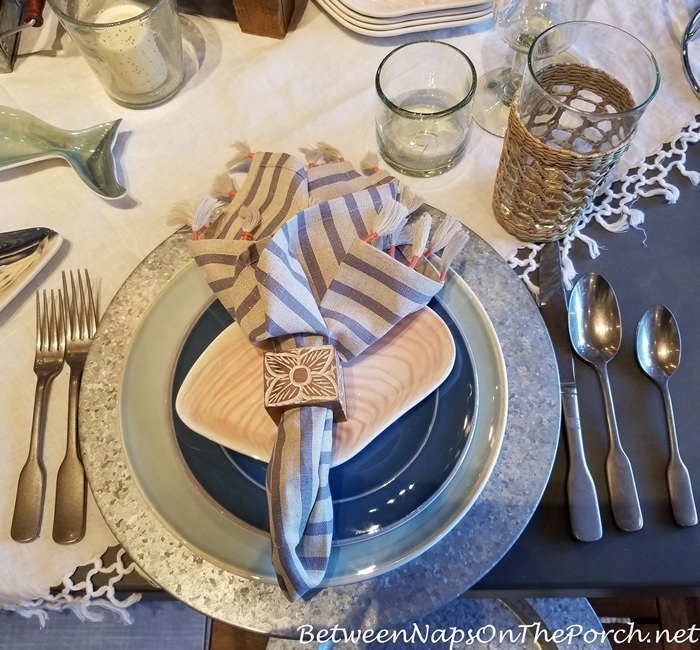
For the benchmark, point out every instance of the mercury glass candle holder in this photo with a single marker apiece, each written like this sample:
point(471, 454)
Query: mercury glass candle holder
point(134, 48)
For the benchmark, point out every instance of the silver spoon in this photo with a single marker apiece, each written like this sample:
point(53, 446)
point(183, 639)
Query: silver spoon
point(659, 353)
point(595, 331)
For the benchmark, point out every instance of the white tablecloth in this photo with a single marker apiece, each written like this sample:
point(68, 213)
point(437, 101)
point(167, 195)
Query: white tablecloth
point(316, 84)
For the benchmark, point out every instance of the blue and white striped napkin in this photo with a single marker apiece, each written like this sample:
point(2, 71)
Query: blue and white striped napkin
point(306, 277)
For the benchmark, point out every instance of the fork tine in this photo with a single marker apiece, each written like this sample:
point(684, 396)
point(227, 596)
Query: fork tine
point(52, 333)
point(61, 323)
point(76, 307)
point(82, 309)
point(79, 306)
point(92, 307)
point(45, 323)
point(38, 322)
point(68, 311)
point(50, 322)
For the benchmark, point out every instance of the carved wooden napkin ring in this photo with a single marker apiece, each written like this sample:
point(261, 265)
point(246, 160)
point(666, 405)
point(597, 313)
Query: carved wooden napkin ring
point(304, 377)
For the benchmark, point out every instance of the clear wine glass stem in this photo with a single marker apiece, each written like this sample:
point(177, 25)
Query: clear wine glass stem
point(518, 23)
point(516, 75)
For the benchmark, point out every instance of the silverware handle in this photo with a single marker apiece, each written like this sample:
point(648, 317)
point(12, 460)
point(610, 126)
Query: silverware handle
point(680, 488)
point(31, 486)
point(681, 491)
point(71, 493)
point(583, 499)
point(623, 489)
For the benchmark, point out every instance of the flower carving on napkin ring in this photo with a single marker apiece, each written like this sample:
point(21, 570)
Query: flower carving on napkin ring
point(310, 376)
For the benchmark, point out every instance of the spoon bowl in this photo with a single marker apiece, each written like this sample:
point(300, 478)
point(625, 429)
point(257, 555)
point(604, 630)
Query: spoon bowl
point(658, 344)
point(594, 320)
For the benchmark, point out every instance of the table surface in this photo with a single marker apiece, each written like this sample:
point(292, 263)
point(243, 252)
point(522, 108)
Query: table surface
point(659, 558)
point(114, 237)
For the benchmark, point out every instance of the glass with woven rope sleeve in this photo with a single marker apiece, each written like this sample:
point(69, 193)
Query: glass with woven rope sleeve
point(572, 120)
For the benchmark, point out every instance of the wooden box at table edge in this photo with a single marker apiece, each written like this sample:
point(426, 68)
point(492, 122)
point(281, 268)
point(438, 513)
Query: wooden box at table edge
point(264, 17)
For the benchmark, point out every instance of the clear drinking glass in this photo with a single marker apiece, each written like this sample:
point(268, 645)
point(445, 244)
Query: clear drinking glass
point(134, 48)
point(518, 23)
point(423, 117)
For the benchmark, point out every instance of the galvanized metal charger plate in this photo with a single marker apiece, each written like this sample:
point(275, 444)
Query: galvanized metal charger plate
point(440, 574)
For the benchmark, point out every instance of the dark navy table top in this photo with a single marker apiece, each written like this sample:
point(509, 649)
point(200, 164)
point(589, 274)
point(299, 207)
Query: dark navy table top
point(659, 265)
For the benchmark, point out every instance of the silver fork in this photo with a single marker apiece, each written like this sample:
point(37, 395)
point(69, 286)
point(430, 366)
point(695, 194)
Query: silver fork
point(71, 486)
point(48, 361)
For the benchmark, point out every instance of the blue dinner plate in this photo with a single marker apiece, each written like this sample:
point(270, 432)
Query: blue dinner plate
point(392, 479)
point(178, 506)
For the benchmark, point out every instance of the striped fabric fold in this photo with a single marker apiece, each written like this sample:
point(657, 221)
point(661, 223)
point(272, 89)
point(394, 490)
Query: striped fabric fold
point(309, 279)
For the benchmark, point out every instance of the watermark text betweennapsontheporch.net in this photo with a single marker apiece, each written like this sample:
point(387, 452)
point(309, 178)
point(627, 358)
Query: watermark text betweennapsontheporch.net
point(455, 637)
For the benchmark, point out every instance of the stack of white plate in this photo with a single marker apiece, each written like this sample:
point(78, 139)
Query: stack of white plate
point(393, 17)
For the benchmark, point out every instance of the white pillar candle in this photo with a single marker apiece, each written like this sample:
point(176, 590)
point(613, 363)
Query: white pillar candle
point(130, 50)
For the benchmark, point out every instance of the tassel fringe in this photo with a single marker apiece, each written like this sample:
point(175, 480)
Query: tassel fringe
point(395, 236)
point(443, 234)
point(329, 153)
point(181, 215)
point(419, 238)
point(321, 153)
point(454, 246)
point(369, 164)
point(411, 200)
point(312, 155)
point(250, 220)
point(388, 219)
point(223, 188)
point(207, 211)
point(244, 154)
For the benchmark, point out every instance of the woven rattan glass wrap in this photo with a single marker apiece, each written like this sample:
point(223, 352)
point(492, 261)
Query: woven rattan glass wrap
point(554, 160)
